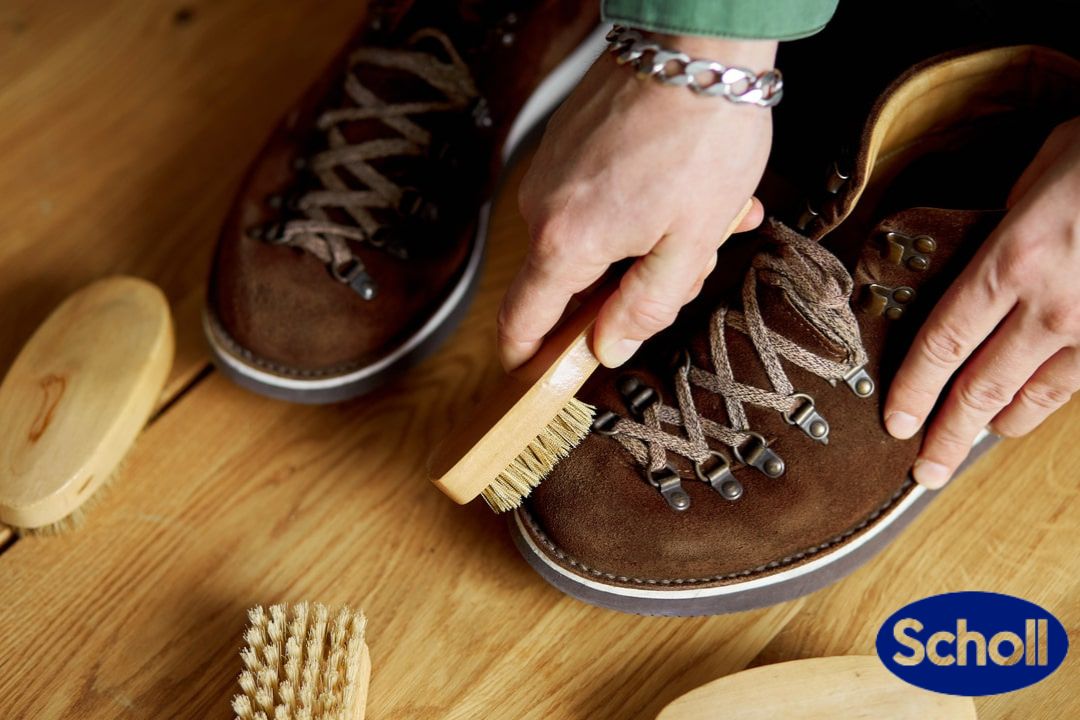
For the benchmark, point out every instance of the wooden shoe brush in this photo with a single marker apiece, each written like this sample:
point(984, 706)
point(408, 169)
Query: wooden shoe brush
point(847, 686)
point(76, 398)
point(515, 437)
point(304, 663)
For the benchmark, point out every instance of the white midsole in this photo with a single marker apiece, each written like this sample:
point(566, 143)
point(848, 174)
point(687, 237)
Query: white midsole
point(738, 587)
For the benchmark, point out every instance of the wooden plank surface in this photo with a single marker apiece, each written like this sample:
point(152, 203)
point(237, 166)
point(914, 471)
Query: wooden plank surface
point(126, 126)
point(134, 121)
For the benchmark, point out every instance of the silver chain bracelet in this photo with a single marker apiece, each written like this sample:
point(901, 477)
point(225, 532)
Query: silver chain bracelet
point(704, 77)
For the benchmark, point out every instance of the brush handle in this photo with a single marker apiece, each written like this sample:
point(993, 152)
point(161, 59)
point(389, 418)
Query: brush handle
point(497, 431)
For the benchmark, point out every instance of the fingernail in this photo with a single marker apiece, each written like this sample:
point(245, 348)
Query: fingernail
point(930, 474)
point(616, 353)
point(901, 425)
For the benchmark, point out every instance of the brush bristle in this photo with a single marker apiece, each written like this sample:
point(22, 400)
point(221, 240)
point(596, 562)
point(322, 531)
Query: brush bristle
point(301, 663)
point(532, 465)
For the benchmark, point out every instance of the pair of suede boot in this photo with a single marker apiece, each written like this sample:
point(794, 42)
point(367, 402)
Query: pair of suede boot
point(739, 459)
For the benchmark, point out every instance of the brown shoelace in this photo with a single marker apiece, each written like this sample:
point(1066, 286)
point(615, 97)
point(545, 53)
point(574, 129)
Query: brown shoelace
point(315, 232)
point(819, 286)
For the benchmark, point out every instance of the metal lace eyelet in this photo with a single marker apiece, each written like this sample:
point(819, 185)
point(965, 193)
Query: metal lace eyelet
point(639, 397)
point(272, 233)
point(860, 381)
point(755, 452)
point(809, 215)
point(413, 205)
point(353, 274)
point(719, 476)
point(481, 114)
point(911, 251)
point(682, 362)
point(604, 423)
point(669, 483)
point(805, 416)
point(886, 301)
point(285, 201)
point(837, 178)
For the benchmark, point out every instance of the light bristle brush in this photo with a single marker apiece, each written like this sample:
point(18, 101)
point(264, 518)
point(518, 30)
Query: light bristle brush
point(304, 662)
point(76, 398)
point(515, 437)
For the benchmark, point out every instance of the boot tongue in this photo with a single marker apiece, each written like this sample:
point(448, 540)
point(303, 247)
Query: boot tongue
point(427, 170)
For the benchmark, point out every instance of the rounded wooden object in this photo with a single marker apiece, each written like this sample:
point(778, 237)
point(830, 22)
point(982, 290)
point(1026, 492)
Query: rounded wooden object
point(77, 396)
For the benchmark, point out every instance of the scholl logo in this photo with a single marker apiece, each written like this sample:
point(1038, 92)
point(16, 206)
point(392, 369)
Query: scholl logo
point(972, 643)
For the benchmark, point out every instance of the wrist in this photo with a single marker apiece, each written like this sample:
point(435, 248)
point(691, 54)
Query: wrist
point(744, 75)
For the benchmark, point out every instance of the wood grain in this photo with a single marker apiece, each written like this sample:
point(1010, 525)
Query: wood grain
point(126, 125)
point(124, 130)
point(1009, 525)
point(233, 500)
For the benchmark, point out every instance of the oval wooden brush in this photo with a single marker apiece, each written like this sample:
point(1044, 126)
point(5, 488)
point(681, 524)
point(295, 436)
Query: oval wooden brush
point(846, 686)
point(515, 437)
point(76, 397)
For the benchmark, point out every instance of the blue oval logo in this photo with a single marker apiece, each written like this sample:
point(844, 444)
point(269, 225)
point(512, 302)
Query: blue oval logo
point(972, 643)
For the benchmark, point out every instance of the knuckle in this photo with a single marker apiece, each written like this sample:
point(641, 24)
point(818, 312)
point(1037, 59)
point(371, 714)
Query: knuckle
point(950, 445)
point(550, 243)
point(943, 346)
point(904, 387)
point(1018, 264)
point(1047, 397)
point(507, 328)
point(1060, 319)
point(983, 395)
point(650, 315)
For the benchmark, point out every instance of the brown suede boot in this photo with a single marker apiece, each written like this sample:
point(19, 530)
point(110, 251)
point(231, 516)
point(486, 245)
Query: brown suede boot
point(740, 458)
point(354, 245)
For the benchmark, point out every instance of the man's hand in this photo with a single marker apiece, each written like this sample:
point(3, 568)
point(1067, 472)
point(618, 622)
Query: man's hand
point(631, 169)
point(1009, 325)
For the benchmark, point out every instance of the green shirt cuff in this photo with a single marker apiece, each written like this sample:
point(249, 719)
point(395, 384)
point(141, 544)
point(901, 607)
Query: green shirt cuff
point(748, 19)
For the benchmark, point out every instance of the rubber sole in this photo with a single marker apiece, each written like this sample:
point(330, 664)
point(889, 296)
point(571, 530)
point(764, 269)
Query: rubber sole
point(251, 376)
point(805, 578)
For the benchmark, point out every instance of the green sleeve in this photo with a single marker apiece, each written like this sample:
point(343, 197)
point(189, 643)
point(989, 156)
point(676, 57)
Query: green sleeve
point(751, 19)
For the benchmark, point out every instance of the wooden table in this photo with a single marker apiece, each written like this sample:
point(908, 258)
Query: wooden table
point(124, 128)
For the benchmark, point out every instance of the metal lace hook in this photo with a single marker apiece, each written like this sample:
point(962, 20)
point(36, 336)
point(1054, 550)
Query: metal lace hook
point(719, 475)
point(755, 452)
point(805, 416)
point(669, 483)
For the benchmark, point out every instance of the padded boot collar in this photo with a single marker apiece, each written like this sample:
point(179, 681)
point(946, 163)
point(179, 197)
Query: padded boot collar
point(941, 95)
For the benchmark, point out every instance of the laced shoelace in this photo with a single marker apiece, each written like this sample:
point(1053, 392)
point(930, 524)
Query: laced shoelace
point(819, 287)
point(316, 232)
